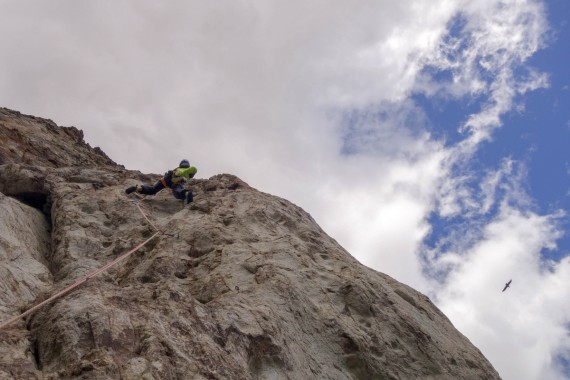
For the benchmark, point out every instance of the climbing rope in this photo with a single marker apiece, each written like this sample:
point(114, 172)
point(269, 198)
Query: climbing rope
point(136, 203)
point(88, 276)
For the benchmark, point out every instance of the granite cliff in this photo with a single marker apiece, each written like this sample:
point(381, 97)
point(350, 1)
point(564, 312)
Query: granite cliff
point(238, 285)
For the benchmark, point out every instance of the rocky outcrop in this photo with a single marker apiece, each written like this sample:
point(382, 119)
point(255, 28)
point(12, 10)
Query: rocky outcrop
point(238, 285)
point(36, 141)
point(24, 244)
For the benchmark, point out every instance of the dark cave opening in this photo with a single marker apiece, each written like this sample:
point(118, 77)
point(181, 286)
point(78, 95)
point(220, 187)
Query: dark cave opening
point(34, 199)
point(40, 201)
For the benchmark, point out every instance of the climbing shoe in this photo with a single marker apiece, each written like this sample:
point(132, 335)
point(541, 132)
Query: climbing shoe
point(131, 189)
point(189, 197)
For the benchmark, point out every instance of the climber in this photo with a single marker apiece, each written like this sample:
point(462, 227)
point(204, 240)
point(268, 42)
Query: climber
point(175, 179)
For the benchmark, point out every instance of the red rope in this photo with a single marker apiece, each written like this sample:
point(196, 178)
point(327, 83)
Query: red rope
point(143, 214)
point(79, 282)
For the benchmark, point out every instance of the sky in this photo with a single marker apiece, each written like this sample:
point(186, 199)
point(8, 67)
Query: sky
point(428, 137)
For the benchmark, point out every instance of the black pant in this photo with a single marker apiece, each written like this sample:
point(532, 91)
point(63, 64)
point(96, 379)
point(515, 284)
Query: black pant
point(178, 190)
point(151, 190)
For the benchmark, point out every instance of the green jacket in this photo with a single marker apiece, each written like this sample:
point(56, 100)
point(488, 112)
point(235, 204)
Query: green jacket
point(179, 175)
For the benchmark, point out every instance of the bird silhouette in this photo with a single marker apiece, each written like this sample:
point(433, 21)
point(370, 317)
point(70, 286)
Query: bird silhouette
point(507, 285)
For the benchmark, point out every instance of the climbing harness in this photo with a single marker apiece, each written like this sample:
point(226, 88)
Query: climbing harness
point(90, 275)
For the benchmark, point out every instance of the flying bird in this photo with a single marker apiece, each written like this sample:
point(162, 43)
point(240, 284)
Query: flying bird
point(507, 285)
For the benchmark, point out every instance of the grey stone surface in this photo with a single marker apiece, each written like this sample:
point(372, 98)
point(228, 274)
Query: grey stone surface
point(239, 285)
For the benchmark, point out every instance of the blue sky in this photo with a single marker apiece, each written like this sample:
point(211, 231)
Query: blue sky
point(540, 134)
point(428, 137)
point(536, 134)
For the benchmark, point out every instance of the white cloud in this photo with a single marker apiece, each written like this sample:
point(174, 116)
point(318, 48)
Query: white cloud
point(493, 38)
point(378, 210)
point(228, 78)
point(482, 251)
point(528, 321)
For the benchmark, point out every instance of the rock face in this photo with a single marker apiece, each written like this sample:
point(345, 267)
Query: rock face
point(238, 285)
